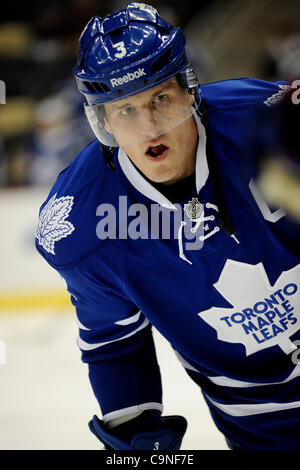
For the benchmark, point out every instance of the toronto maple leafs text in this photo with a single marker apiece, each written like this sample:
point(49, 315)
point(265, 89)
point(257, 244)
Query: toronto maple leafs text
point(267, 318)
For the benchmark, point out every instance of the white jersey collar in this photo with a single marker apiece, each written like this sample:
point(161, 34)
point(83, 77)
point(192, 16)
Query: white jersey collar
point(144, 187)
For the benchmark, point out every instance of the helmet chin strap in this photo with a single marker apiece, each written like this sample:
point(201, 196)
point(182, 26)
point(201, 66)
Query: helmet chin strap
point(107, 153)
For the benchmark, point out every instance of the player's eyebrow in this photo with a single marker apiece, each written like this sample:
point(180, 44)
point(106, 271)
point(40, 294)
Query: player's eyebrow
point(165, 87)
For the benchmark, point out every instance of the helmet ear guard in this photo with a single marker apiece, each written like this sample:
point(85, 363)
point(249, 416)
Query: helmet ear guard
point(96, 115)
point(188, 79)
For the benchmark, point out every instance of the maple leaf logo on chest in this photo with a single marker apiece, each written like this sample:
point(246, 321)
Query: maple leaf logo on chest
point(52, 225)
point(262, 315)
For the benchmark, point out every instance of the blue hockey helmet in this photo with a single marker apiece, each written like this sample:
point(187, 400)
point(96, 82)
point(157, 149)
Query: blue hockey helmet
point(125, 53)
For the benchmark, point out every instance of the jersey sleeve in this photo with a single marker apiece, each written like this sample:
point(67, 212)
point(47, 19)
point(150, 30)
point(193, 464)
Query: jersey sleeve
point(116, 341)
point(115, 338)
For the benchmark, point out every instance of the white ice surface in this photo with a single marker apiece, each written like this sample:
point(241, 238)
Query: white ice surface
point(45, 397)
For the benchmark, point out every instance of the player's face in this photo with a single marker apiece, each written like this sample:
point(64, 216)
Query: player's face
point(140, 123)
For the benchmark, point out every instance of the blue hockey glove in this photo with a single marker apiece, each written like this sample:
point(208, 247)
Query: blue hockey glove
point(148, 431)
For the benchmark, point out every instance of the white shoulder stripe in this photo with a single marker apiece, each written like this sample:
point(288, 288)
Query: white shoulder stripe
point(253, 409)
point(84, 346)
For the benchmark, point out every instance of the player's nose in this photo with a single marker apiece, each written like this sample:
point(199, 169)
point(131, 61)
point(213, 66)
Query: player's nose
point(148, 123)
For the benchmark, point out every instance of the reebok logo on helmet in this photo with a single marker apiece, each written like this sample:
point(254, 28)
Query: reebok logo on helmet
point(127, 78)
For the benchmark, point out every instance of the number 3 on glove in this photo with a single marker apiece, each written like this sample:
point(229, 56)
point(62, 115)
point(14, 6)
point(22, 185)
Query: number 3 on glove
point(133, 435)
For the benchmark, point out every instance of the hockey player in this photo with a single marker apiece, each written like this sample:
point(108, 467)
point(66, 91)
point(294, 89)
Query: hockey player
point(164, 231)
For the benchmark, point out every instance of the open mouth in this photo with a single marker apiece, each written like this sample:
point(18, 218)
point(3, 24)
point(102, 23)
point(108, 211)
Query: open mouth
point(155, 151)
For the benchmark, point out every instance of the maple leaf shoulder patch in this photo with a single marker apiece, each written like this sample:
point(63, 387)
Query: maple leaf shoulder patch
point(52, 225)
point(277, 97)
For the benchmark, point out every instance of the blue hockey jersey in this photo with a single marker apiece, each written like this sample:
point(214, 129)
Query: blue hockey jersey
point(228, 305)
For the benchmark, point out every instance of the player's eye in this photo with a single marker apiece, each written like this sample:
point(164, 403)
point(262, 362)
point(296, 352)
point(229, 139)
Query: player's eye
point(161, 98)
point(128, 110)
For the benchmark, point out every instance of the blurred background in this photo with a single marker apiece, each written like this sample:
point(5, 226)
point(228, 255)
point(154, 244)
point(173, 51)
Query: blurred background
point(45, 398)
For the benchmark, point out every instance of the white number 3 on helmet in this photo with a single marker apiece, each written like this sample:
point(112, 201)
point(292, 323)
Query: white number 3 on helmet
point(120, 46)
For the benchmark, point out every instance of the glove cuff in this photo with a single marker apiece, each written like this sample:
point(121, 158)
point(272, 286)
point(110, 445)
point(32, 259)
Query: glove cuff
point(167, 437)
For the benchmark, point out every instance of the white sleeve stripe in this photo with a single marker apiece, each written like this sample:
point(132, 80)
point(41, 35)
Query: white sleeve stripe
point(185, 364)
point(112, 423)
point(132, 409)
point(129, 320)
point(253, 409)
point(227, 382)
point(81, 326)
point(83, 345)
point(126, 321)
